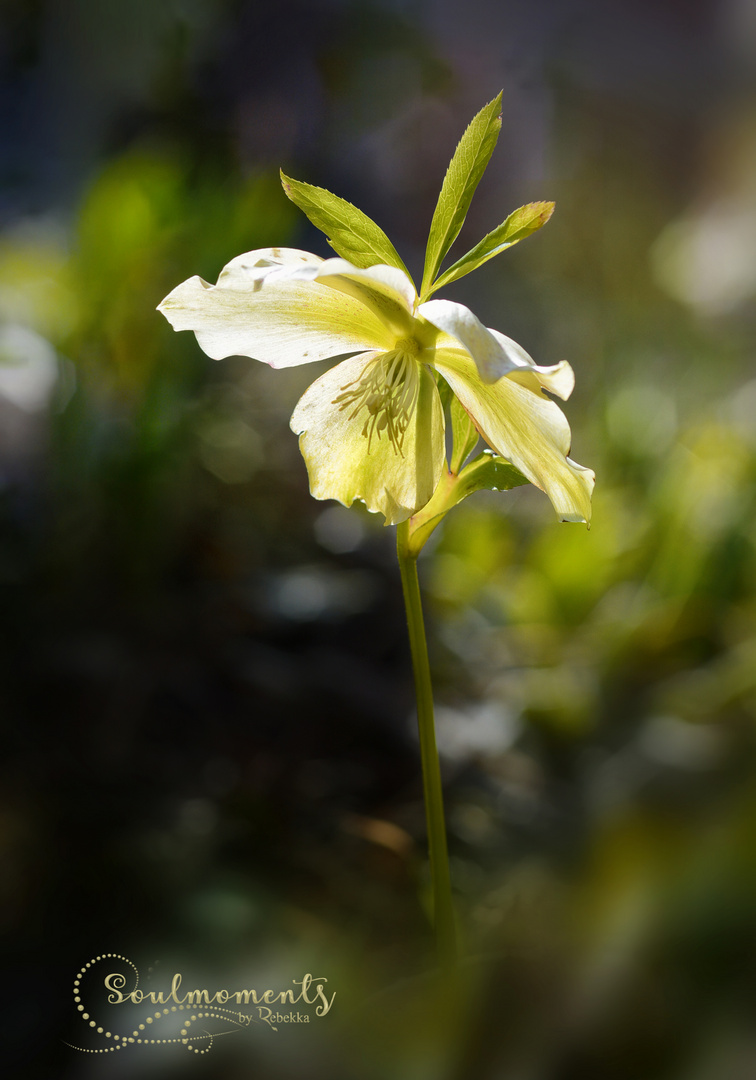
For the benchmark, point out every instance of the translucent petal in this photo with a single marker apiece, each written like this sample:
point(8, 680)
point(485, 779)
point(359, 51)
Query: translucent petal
point(384, 289)
point(344, 464)
point(494, 353)
point(525, 427)
point(558, 378)
point(263, 309)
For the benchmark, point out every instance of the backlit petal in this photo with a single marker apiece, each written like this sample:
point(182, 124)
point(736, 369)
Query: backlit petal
point(559, 378)
point(494, 353)
point(261, 308)
point(343, 464)
point(387, 282)
point(525, 427)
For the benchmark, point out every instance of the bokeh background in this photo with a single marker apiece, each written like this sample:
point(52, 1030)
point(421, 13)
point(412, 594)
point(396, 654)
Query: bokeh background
point(209, 759)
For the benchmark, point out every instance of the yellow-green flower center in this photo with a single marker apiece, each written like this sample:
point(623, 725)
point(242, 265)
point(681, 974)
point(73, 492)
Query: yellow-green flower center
point(385, 393)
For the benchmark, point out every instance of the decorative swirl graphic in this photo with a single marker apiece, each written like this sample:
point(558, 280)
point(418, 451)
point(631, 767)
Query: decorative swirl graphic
point(179, 1016)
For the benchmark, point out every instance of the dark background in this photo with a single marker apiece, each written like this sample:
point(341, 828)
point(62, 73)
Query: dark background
point(207, 706)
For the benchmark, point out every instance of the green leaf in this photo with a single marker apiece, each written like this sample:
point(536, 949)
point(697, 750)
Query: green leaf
point(352, 234)
point(464, 434)
point(488, 471)
point(462, 177)
point(521, 223)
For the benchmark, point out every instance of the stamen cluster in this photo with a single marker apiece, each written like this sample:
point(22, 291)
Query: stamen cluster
point(387, 391)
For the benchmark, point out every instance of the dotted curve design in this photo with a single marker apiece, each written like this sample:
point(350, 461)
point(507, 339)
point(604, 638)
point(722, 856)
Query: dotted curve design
point(138, 1036)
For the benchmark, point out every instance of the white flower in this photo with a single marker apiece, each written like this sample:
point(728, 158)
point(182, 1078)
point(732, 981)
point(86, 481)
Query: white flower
point(372, 427)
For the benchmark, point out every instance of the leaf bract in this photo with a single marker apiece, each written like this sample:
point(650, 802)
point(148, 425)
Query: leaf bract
point(462, 177)
point(351, 233)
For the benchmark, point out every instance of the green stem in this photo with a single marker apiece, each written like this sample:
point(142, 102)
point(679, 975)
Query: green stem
point(443, 912)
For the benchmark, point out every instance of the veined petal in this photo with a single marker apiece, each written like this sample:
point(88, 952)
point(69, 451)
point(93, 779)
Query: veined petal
point(263, 309)
point(492, 358)
point(384, 289)
point(494, 353)
point(345, 464)
point(526, 428)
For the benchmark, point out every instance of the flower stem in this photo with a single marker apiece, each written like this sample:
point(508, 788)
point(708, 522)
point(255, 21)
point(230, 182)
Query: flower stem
point(443, 912)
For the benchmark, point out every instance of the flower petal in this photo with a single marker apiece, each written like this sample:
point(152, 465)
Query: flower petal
point(559, 378)
point(494, 354)
point(263, 309)
point(385, 289)
point(525, 427)
point(343, 464)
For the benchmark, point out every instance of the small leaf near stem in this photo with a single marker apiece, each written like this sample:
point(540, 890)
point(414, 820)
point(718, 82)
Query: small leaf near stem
point(486, 472)
point(464, 434)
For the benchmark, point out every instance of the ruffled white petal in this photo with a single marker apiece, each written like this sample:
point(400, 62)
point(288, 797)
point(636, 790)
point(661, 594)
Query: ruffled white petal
point(343, 464)
point(494, 353)
point(265, 307)
point(525, 427)
point(559, 378)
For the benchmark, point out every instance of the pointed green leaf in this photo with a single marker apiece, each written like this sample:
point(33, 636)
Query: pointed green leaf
point(521, 223)
point(352, 234)
point(462, 177)
point(464, 434)
point(488, 471)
